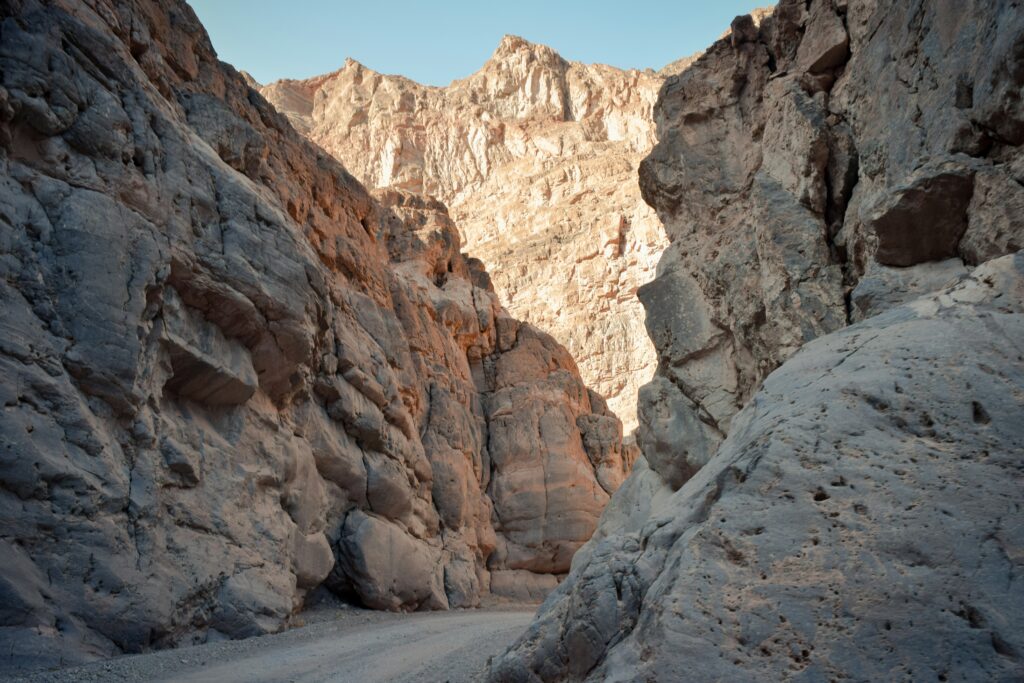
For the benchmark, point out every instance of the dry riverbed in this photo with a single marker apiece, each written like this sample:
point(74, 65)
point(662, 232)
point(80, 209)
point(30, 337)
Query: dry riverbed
point(340, 645)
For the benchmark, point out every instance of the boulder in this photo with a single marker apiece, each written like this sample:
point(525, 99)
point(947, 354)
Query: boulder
point(389, 568)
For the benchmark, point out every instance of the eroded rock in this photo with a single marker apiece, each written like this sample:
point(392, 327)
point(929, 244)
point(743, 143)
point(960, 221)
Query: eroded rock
point(230, 374)
point(853, 523)
point(808, 180)
point(536, 157)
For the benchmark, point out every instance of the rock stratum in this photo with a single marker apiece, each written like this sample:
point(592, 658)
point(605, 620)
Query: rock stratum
point(832, 472)
point(536, 158)
point(231, 375)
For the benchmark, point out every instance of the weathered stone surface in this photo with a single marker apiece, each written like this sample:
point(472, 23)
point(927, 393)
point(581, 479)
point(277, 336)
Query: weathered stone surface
point(995, 215)
point(924, 220)
point(882, 287)
point(205, 365)
point(230, 374)
point(806, 181)
point(536, 157)
point(789, 188)
point(673, 438)
point(390, 568)
point(522, 585)
point(854, 523)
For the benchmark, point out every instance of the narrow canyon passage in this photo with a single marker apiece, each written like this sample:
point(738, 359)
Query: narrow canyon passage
point(721, 361)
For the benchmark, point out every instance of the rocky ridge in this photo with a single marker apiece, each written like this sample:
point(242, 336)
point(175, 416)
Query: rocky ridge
point(844, 515)
point(536, 158)
point(231, 375)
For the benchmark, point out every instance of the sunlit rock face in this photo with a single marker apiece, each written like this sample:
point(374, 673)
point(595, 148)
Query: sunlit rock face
point(832, 441)
point(536, 158)
point(229, 374)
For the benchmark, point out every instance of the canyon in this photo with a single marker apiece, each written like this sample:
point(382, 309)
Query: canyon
point(535, 157)
point(359, 337)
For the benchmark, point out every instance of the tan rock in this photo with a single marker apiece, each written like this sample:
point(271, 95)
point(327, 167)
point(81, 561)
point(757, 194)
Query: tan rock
point(536, 158)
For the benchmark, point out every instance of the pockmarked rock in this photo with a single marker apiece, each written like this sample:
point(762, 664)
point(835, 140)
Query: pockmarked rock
point(817, 499)
point(856, 521)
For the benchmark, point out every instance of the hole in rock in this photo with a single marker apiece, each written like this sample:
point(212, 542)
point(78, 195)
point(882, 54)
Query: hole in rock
point(981, 415)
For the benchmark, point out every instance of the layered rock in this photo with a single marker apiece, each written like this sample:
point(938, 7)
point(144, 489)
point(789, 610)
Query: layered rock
point(231, 375)
point(536, 156)
point(838, 160)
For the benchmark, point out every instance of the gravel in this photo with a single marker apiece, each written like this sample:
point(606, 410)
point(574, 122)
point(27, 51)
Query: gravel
point(335, 644)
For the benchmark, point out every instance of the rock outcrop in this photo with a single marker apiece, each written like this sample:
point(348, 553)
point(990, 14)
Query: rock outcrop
point(858, 522)
point(536, 157)
point(839, 160)
point(798, 199)
point(231, 375)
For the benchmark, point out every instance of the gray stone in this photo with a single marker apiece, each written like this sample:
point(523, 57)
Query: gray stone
point(825, 44)
point(312, 559)
point(206, 366)
point(996, 217)
point(218, 352)
point(853, 522)
point(923, 220)
point(882, 287)
point(672, 436)
point(521, 585)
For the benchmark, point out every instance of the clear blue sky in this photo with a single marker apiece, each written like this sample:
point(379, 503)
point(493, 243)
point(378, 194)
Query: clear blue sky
point(436, 42)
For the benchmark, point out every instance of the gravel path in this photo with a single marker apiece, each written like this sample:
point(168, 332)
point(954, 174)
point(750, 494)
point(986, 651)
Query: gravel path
point(348, 645)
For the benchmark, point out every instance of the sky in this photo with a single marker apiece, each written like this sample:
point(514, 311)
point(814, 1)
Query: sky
point(437, 42)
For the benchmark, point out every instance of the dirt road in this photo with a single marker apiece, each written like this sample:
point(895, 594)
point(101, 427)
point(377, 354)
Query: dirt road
point(356, 645)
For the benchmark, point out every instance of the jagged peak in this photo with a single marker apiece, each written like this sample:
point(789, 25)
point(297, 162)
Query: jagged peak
point(511, 42)
point(511, 45)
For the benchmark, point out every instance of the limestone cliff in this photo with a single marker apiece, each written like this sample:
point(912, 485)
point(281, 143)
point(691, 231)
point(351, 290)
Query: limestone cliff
point(230, 374)
point(848, 514)
point(536, 157)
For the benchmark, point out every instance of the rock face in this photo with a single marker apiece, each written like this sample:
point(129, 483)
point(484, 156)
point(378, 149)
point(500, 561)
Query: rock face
point(536, 158)
point(837, 160)
point(857, 522)
point(231, 375)
point(785, 181)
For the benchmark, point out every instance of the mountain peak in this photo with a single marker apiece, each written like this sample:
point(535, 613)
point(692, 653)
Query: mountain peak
point(512, 43)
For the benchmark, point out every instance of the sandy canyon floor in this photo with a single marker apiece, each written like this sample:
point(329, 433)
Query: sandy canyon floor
point(337, 644)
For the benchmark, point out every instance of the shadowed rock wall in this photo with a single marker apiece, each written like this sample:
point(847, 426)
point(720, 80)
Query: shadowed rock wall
point(230, 374)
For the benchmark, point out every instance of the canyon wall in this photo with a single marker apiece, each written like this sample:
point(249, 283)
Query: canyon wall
point(848, 514)
point(536, 158)
point(231, 375)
